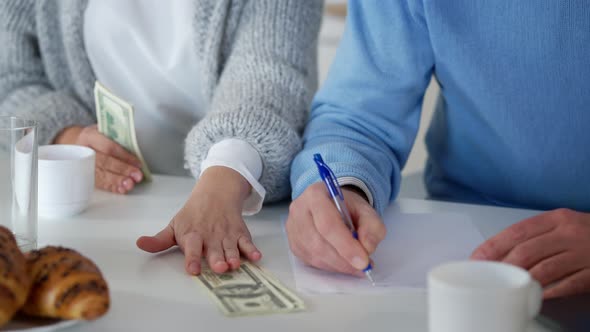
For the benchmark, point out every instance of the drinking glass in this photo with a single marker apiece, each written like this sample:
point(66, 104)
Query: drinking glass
point(18, 179)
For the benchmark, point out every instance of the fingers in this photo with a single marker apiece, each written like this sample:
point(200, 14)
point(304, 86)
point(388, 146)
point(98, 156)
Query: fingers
point(329, 260)
point(370, 227)
point(91, 137)
point(576, 283)
point(556, 267)
point(216, 256)
point(117, 170)
point(309, 245)
point(231, 253)
point(192, 246)
point(535, 250)
point(553, 246)
point(224, 254)
point(329, 225)
point(319, 237)
point(112, 182)
point(249, 249)
point(116, 166)
point(114, 175)
point(159, 242)
point(500, 245)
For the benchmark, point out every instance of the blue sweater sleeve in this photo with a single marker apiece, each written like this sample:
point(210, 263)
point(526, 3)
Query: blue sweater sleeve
point(364, 119)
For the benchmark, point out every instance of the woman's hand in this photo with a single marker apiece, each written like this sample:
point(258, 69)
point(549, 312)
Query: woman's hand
point(117, 170)
point(209, 224)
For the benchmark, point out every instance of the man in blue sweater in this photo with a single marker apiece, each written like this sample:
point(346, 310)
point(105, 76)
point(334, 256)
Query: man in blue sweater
point(511, 128)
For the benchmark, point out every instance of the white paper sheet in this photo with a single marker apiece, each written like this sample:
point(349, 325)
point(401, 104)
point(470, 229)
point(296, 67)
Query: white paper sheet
point(414, 244)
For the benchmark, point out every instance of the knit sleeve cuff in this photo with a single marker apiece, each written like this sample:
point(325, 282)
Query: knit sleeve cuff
point(377, 177)
point(271, 136)
point(355, 182)
point(376, 191)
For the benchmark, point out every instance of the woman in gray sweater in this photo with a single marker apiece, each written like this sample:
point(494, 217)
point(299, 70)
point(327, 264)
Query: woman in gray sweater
point(220, 89)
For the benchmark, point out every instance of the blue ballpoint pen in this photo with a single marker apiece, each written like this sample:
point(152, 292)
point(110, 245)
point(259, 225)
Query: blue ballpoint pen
point(334, 189)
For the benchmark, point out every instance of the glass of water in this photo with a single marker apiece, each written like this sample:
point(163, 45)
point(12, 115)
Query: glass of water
point(18, 179)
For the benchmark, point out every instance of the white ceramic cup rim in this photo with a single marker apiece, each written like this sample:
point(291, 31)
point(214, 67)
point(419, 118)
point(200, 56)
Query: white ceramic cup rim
point(507, 277)
point(58, 154)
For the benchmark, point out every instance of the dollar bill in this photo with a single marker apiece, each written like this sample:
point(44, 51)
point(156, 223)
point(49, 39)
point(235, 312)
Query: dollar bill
point(116, 121)
point(248, 291)
point(297, 303)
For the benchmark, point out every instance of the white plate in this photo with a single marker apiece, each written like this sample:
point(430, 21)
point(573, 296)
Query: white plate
point(29, 324)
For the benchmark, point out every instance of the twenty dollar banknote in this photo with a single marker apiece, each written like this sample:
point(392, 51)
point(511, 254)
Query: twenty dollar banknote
point(249, 291)
point(116, 121)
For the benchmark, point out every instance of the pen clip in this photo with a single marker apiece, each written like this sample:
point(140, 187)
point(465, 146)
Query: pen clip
point(334, 189)
point(328, 177)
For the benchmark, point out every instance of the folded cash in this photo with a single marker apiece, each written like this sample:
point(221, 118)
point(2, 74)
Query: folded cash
point(116, 121)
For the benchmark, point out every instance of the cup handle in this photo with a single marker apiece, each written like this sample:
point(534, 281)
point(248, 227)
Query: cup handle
point(535, 298)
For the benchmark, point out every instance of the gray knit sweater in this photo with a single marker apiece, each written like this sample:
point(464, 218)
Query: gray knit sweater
point(258, 68)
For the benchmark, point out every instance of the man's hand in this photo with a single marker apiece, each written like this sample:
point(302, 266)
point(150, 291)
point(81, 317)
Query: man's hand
point(210, 224)
point(117, 170)
point(319, 237)
point(553, 246)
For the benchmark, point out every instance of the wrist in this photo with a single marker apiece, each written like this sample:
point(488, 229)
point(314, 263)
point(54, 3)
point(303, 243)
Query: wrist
point(357, 191)
point(68, 135)
point(224, 183)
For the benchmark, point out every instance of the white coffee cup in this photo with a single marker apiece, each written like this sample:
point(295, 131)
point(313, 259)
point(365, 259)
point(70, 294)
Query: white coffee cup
point(481, 296)
point(66, 179)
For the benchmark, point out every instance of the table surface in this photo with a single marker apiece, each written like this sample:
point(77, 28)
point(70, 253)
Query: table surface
point(152, 292)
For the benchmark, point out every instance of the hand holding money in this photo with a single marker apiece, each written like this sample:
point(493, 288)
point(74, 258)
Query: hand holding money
point(116, 120)
point(117, 170)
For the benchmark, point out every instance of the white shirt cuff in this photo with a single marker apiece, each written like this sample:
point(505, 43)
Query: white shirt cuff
point(240, 156)
point(352, 181)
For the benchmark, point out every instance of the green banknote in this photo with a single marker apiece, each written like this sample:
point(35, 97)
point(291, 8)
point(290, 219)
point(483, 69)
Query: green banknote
point(249, 291)
point(116, 121)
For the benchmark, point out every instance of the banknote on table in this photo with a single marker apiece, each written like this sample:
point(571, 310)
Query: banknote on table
point(286, 292)
point(116, 121)
point(249, 291)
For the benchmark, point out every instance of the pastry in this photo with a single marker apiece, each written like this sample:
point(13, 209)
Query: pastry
point(14, 281)
point(65, 285)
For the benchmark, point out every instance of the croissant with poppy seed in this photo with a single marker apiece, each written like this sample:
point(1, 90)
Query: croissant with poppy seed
point(66, 285)
point(14, 281)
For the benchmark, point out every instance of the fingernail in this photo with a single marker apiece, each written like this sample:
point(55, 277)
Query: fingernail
point(233, 262)
point(136, 176)
point(255, 255)
point(371, 243)
point(121, 190)
point(194, 267)
point(479, 256)
point(221, 265)
point(127, 183)
point(358, 263)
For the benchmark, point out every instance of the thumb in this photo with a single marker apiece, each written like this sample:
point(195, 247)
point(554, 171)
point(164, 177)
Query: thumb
point(159, 242)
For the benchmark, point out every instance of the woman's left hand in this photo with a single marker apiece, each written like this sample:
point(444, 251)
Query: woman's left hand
point(209, 224)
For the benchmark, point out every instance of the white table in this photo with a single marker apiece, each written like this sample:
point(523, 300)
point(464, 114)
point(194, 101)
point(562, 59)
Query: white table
point(153, 293)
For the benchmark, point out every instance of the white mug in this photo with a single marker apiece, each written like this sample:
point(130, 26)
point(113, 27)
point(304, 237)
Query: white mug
point(66, 179)
point(481, 296)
